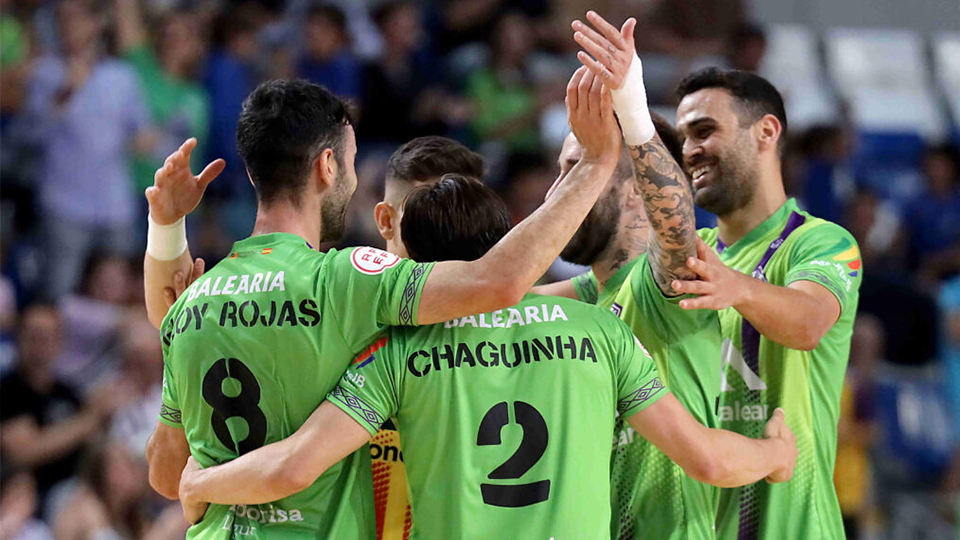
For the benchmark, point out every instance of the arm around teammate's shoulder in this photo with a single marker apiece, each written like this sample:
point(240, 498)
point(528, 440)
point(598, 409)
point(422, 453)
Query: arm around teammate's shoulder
point(715, 456)
point(167, 453)
point(279, 469)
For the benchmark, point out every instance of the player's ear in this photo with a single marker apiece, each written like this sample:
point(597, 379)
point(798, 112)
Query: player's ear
point(386, 218)
point(326, 169)
point(768, 132)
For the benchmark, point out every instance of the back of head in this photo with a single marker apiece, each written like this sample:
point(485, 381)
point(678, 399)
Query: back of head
point(428, 158)
point(753, 96)
point(283, 128)
point(458, 219)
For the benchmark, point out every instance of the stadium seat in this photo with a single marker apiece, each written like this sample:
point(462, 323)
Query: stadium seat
point(946, 62)
point(792, 64)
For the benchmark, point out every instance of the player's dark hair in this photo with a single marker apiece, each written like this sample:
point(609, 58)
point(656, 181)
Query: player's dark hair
point(427, 158)
point(458, 219)
point(283, 128)
point(754, 96)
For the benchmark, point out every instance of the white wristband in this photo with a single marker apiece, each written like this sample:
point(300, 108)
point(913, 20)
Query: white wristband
point(166, 242)
point(630, 104)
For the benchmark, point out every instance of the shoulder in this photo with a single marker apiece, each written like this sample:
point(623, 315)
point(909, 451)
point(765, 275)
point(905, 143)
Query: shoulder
point(366, 260)
point(821, 234)
point(708, 235)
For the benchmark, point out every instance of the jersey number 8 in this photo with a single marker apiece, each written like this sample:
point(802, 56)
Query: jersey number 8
point(245, 405)
point(532, 446)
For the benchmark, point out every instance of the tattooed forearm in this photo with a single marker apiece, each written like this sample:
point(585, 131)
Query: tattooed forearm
point(669, 206)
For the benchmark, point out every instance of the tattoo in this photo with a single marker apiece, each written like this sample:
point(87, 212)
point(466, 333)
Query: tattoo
point(620, 258)
point(669, 205)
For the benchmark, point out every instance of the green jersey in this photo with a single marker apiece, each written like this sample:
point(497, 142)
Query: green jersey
point(250, 351)
point(506, 418)
point(652, 496)
point(759, 375)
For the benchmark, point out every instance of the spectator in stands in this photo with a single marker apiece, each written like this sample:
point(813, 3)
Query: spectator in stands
point(18, 506)
point(507, 105)
point(826, 176)
point(230, 76)
point(114, 500)
point(167, 68)
point(933, 219)
point(950, 348)
point(746, 47)
point(86, 110)
point(92, 317)
point(402, 92)
point(43, 423)
point(856, 429)
point(142, 369)
point(327, 58)
point(690, 28)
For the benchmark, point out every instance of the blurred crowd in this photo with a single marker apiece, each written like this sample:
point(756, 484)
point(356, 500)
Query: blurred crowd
point(95, 93)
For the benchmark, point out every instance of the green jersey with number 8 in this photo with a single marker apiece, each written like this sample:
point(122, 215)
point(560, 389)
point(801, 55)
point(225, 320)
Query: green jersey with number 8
point(506, 418)
point(253, 347)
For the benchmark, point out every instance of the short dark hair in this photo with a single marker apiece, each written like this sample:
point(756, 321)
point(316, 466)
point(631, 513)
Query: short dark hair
point(753, 94)
point(458, 219)
point(283, 127)
point(426, 158)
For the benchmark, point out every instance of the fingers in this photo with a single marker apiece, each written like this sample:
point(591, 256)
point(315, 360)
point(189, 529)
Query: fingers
point(583, 91)
point(186, 148)
point(573, 102)
point(692, 286)
point(169, 297)
point(151, 194)
point(199, 265)
point(597, 68)
point(703, 302)
point(596, 85)
point(606, 104)
point(700, 267)
point(626, 31)
point(607, 29)
point(211, 172)
point(603, 51)
point(178, 283)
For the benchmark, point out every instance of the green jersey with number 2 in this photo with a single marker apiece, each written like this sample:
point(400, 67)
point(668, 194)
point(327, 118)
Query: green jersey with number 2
point(251, 350)
point(760, 375)
point(505, 418)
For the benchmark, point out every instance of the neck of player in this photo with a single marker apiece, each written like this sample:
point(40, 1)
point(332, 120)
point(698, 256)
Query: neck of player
point(303, 221)
point(629, 242)
point(767, 199)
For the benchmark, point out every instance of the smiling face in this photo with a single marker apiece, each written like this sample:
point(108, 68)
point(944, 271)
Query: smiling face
point(720, 152)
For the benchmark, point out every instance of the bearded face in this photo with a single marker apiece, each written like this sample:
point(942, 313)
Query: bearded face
point(720, 156)
point(597, 231)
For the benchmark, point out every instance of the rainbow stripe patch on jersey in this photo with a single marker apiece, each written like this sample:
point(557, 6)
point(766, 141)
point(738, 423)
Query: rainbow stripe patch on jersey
point(367, 356)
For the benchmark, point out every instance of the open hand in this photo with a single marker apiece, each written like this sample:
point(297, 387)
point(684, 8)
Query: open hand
point(719, 286)
point(610, 50)
point(777, 428)
point(176, 191)
point(193, 510)
point(590, 113)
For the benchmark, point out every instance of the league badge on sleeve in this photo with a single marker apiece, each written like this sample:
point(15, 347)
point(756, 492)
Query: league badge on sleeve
point(372, 261)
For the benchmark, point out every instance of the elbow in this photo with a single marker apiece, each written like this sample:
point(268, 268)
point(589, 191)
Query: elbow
point(709, 470)
point(292, 475)
point(809, 338)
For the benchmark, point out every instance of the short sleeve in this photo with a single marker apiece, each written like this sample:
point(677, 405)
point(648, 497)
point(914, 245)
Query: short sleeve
point(587, 288)
point(371, 289)
point(368, 390)
point(661, 319)
point(169, 400)
point(828, 255)
point(638, 383)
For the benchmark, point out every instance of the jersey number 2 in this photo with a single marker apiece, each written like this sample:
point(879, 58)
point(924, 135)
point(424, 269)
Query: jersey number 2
point(245, 405)
point(532, 446)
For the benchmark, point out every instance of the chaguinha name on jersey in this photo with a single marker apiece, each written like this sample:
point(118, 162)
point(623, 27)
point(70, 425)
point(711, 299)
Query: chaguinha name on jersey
point(510, 355)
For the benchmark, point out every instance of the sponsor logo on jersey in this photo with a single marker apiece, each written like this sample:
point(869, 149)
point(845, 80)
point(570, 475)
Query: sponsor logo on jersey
point(617, 309)
point(506, 318)
point(372, 261)
point(851, 258)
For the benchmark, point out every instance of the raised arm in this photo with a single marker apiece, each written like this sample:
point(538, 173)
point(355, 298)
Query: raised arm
point(501, 277)
point(715, 456)
point(167, 251)
point(277, 470)
point(666, 193)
